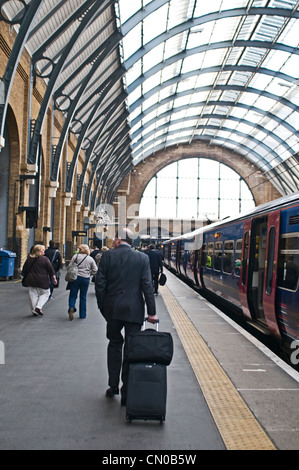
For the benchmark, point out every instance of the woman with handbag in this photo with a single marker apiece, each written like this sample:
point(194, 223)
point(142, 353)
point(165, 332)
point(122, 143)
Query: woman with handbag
point(86, 267)
point(36, 272)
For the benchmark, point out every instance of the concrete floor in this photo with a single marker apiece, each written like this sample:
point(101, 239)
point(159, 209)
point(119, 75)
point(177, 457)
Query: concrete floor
point(53, 383)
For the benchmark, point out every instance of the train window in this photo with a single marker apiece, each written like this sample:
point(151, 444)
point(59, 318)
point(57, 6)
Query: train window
point(238, 256)
point(288, 261)
point(218, 256)
point(245, 257)
point(210, 255)
point(228, 257)
point(270, 261)
point(204, 255)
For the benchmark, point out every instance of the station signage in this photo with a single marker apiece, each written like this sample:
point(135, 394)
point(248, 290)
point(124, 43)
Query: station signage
point(79, 233)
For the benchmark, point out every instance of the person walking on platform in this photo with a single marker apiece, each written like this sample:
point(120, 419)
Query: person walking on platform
point(155, 258)
point(95, 252)
point(55, 257)
point(86, 268)
point(37, 271)
point(123, 287)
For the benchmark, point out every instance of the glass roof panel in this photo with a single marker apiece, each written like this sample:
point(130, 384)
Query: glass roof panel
point(233, 63)
point(155, 24)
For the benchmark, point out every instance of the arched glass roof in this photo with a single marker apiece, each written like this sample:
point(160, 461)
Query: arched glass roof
point(134, 77)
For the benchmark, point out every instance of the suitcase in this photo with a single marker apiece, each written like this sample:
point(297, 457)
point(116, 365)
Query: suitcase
point(147, 383)
point(147, 391)
point(150, 345)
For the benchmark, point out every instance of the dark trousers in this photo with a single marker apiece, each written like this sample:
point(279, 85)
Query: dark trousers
point(155, 277)
point(116, 355)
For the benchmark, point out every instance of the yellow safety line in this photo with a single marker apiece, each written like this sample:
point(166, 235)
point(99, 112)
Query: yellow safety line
point(237, 425)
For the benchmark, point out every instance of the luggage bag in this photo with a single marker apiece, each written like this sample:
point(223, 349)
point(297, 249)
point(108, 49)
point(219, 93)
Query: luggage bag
point(150, 345)
point(147, 383)
point(147, 390)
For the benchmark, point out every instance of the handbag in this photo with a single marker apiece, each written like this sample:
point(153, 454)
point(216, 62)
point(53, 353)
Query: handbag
point(72, 271)
point(162, 279)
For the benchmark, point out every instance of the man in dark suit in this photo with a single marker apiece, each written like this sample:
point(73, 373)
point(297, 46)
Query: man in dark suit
point(123, 287)
point(155, 258)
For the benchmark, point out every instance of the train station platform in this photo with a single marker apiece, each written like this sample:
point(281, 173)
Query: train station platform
point(225, 390)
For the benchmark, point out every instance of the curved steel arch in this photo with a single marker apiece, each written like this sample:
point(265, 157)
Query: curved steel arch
point(195, 22)
point(208, 140)
point(88, 153)
point(78, 90)
point(124, 161)
point(13, 61)
point(52, 82)
point(116, 159)
point(241, 134)
point(213, 69)
point(212, 17)
point(273, 117)
point(119, 143)
point(221, 87)
point(220, 117)
point(104, 156)
point(115, 184)
point(238, 88)
point(104, 90)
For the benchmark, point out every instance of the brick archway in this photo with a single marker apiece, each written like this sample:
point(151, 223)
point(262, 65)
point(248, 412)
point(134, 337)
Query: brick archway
point(134, 185)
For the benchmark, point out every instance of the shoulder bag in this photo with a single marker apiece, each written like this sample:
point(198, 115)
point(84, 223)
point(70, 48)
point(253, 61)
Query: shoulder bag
point(72, 271)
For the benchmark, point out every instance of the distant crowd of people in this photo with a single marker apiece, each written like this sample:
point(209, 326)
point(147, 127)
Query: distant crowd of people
point(126, 280)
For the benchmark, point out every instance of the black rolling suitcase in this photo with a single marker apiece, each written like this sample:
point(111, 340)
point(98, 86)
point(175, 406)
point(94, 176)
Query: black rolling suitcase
point(147, 390)
point(147, 384)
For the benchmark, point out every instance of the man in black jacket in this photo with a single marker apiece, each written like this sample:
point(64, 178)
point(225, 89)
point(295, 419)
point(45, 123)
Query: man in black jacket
point(155, 258)
point(55, 257)
point(123, 287)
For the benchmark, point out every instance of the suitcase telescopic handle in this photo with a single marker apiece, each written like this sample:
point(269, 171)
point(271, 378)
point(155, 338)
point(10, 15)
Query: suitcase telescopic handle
point(156, 322)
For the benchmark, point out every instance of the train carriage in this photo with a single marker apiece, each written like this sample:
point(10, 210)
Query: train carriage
point(252, 263)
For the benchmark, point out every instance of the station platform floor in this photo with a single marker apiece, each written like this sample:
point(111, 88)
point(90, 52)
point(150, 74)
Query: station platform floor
point(225, 390)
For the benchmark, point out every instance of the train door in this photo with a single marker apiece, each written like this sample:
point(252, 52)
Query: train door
point(256, 273)
point(253, 268)
point(245, 268)
point(271, 272)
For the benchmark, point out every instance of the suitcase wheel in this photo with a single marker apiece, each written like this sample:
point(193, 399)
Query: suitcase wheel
point(130, 418)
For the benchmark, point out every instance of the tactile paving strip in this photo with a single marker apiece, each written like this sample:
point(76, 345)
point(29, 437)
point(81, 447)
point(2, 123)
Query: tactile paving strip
point(237, 425)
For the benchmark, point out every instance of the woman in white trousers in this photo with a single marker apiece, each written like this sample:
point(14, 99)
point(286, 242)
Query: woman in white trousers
point(37, 271)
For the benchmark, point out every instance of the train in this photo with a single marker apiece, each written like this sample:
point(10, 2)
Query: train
point(249, 263)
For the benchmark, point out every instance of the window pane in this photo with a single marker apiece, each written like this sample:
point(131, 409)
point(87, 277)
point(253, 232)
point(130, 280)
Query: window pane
point(150, 189)
point(166, 206)
point(188, 168)
point(187, 188)
point(208, 188)
point(166, 187)
point(288, 262)
point(187, 208)
point(228, 207)
point(147, 208)
point(191, 188)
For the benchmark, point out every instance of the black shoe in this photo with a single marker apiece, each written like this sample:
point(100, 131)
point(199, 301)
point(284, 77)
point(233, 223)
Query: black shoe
point(112, 391)
point(38, 310)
